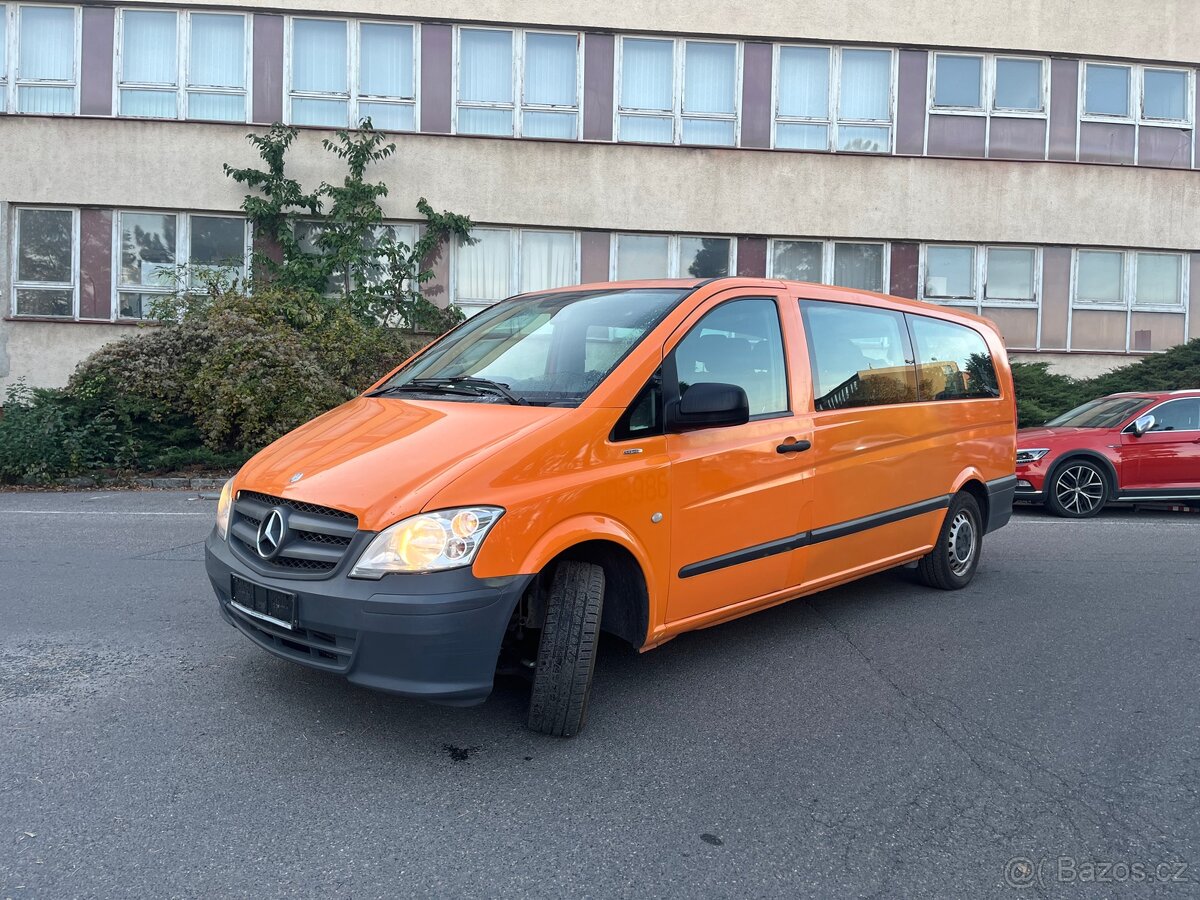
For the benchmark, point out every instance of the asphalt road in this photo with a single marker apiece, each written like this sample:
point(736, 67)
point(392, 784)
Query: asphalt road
point(880, 740)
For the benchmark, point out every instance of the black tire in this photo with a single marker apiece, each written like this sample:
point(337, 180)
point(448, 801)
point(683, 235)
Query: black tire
point(566, 655)
point(952, 562)
point(1078, 489)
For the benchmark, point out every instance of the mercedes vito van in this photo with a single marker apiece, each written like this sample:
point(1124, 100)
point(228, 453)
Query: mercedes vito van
point(638, 458)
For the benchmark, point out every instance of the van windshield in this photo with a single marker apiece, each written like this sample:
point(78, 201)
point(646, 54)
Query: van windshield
point(540, 350)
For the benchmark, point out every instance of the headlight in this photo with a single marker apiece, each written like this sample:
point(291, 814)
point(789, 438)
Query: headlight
point(1028, 456)
point(430, 542)
point(224, 508)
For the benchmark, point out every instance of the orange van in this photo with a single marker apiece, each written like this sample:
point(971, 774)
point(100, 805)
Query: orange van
point(639, 458)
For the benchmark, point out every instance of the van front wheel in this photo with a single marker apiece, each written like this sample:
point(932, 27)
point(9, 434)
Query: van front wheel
point(951, 564)
point(566, 655)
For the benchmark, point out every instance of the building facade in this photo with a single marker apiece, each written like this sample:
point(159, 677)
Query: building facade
point(1029, 160)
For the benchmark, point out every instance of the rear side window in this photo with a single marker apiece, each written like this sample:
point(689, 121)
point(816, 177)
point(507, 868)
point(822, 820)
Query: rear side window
point(1177, 415)
point(953, 361)
point(860, 355)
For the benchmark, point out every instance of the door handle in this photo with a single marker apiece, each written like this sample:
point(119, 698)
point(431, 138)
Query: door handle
point(793, 447)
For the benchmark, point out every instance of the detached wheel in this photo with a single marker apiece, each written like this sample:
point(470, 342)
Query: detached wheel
point(566, 655)
point(1078, 490)
point(951, 564)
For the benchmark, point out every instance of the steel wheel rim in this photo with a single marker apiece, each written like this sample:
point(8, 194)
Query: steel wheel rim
point(1079, 489)
point(960, 544)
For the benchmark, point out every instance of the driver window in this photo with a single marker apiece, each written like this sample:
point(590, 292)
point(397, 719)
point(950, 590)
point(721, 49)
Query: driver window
point(737, 343)
point(1178, 415)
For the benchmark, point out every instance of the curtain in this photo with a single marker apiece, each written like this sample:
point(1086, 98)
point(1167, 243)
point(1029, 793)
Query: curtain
point(1106, 90)
point(710, 81)
point(866, 85)
point(483, 268)
point(485, 66)
point(3, 42)
point(46, 46)
point(550, 76)
point(648, 129)
point(797, 260)
point(950, 272)
point(958, 81)
point(217, 107)
point(858, 266)
point(646, 74)
point(1019, 84)
point(641, 256)
point(218, 51)
point(1165, 94)
point(549, 124)
point(385, 66)
point(1158, 279)
point(547, 260)
point(1099, 277)
point(804, 82)
point(1009, 274)
point(319, 57)
point(148, 47)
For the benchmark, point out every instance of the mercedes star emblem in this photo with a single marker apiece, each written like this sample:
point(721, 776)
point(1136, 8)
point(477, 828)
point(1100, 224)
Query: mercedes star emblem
point(270, 534)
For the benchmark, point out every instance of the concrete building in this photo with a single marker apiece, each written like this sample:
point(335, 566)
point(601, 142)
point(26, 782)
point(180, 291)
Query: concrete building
point(1035, 160)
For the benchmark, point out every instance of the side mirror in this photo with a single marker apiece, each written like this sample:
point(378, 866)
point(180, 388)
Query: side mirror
point(709, 404)
point(1142, 424)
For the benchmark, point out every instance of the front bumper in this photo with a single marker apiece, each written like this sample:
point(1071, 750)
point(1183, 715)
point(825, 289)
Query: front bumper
point(436, 637)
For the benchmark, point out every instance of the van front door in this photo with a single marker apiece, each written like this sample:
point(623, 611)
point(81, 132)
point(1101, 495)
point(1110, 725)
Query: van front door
point(740, 494)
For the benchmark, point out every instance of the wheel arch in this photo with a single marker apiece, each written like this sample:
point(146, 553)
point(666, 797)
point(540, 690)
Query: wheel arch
point(1105, 464)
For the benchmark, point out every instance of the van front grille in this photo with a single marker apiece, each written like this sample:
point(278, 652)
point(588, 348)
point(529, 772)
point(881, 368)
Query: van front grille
point(314, 540)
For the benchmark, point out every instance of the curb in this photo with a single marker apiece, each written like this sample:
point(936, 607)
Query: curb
point(200, 483)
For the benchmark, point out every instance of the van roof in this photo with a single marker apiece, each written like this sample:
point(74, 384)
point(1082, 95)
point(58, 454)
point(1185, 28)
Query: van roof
point(808, 289)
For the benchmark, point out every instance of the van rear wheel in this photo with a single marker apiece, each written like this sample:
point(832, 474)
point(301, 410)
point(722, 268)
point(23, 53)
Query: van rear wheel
point(566, 655)
point(952, 562)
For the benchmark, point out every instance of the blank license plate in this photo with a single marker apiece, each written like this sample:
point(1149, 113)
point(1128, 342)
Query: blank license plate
point(264, 602)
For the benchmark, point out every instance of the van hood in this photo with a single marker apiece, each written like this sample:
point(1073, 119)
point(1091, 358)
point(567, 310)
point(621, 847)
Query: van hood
point(384, 458)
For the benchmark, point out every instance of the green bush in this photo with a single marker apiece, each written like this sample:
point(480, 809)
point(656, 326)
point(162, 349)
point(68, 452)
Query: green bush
point(1042, 395)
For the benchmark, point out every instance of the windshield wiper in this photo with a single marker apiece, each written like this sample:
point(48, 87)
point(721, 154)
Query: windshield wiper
point(488, 384)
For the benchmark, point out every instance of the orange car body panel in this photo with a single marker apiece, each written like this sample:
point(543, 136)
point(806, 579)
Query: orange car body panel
point(562, 481)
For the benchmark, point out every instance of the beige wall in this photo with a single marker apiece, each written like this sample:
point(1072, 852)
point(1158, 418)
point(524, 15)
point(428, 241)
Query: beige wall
point(1164, 30)
point(579, 185)
point(46, 353)
point(1077, 365)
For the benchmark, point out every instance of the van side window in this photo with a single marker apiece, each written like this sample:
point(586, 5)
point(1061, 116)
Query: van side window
point(953, 362)
point(740, 343)
point(644, 416)
point(859, 355)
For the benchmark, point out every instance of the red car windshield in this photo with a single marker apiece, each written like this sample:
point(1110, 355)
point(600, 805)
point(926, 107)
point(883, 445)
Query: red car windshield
point(1107, 412)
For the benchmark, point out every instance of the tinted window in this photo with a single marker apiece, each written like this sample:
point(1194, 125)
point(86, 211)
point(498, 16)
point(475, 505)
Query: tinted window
point(1178, 415)
point(737, 343)
point(859, 356)
point(1106, 412)
point(953, 362)
point(643, 418)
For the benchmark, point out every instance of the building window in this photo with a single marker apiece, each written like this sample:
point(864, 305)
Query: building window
point(850, 264)
point(1158, 280)
point(507, 261)
point(308, 238)
point(46, 53)
point(160, 253)
point(967, 275)
point(636, 256)
point(1146, 94)
point(342, 72)
point(498, 66)
point(678, 91)
point(1100, 278)
point(986, 84)
point(811, 82)
point(46, 262)
point(3, 58)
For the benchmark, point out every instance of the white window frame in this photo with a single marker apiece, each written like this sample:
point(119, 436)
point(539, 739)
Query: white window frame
point(979, 299)
point(834, 121)
point(183, 252)
point(673, 247)
point(44, 285)
point(7, 43)
point(1137, 102)
point(515, 236)
point(1129, 304)
point(679, 79)
point(183, 60)
point(10, 87)
point(518, 106)
point(988, 81)
point(353, 96)
point(828, 254)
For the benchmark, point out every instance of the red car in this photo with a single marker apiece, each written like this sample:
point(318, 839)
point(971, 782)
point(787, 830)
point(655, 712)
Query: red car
point(1137, 446)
